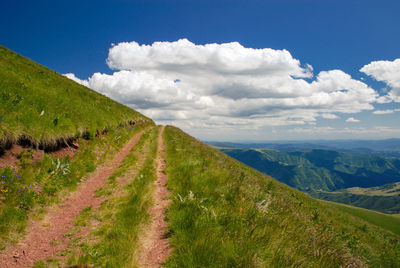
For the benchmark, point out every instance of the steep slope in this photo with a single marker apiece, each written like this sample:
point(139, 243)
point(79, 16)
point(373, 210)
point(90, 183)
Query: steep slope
point(225, 214)
point(53, 134)
point(388, 222)
point(40, 107)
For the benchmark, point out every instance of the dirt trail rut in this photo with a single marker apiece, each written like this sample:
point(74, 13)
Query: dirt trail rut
point(39, 243)
point(154, 247)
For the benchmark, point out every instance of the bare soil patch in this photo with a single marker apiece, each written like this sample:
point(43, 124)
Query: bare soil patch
point(45, 238)
point(64, 152)
point(9, 157)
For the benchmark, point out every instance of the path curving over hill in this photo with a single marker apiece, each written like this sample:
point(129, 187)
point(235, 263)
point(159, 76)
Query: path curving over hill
point(39, 243)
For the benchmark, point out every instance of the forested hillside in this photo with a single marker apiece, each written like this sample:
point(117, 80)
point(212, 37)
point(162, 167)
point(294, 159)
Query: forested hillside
point(322, 172)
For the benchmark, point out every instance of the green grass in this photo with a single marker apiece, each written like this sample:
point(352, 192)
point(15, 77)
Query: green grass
point(123, 217)
point(41, 108)
point(44, 107)
point(84, 216)
point(30, 187)
point(388, 222)
point(225, 214)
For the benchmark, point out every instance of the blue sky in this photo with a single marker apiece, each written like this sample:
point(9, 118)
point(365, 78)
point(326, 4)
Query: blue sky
point(75, 37)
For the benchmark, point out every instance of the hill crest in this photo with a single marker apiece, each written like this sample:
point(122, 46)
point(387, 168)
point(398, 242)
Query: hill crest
point(41, 108)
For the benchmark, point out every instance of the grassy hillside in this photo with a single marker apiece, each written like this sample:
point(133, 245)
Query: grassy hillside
point(225, 214)
point(388, 222)
point(41, 107)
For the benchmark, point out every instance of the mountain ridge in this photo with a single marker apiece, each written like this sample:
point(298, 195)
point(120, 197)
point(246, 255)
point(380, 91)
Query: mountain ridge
point(323, 173)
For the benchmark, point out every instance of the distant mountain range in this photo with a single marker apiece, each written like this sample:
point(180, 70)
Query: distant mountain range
point(385, 148)
point(321, 173)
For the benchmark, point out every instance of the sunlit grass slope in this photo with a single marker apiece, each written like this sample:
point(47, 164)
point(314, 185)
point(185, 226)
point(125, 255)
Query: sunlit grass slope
point(40, 107)
point(225, 214)
point(43, 106)
point(389, 222)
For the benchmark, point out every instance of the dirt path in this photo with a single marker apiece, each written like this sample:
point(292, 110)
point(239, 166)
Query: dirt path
point(84, 235)
point(39, 243)
point(154, 246)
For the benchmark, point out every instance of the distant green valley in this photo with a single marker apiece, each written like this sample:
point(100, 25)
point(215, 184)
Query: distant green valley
point(326, 174)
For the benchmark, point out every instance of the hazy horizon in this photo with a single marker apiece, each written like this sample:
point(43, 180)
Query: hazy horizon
point(305, 140)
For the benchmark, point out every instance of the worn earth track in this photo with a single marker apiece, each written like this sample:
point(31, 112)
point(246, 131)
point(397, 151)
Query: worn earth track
point(39, 243)
point(154, 247)
point(85, 232)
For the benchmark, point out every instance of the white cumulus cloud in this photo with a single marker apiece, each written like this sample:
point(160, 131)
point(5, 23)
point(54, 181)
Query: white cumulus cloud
point(76, 79)
point(377, 130)
point(329, 116)
point(390, 111)
point(226, 86)
point(352, 120)
point(383, 111)
point(388, 72)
